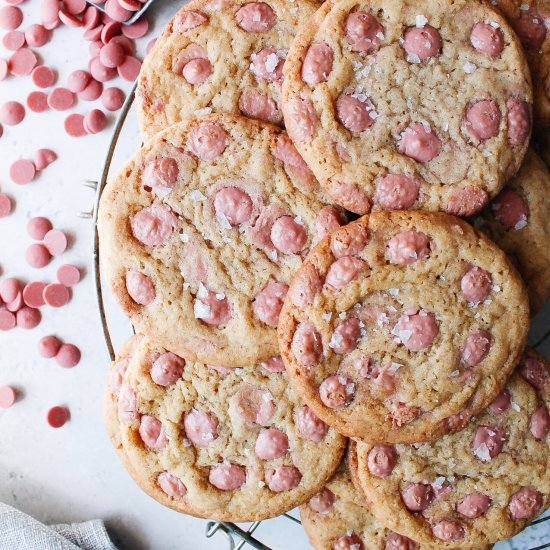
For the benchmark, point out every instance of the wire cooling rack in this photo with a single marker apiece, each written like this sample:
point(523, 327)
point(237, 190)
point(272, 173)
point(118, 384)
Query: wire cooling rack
point(238, 537)
point(136, 15)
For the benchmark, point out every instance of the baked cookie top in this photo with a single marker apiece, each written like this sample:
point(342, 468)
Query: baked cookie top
point(223, 56)
point(338, 518)
point(531, 21)
point(201, 232)
point(402, 325)
point(396, 105)
point(478, 486)
point(229, 444)
point(518, 220)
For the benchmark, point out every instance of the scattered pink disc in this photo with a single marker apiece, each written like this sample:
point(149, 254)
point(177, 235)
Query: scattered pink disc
point(116, 12)
point(74, 125)
point(112, 55)
point(130, 5)
point(10, 18)
point(9, 289)
point(22, 62)
point(100, 72)
point(38, 227)
point(137, 29)
point(43, 158)
point(68, 356)
point(95, 121)
point(33, 294)
point(78, 80)
point(129, 69)
point(94, 48)
point(43, 76)
point(49, 10)
point(13, 40)
point(37, 255)
point(92, 91)
point(7, 319)
point(48, 347)
point(68, 275)
point(109, 31)
point(5, 205)
point(60, 99)
point(128, 45)
point(36, 35)
point(37, 102)
point(22, 171)
point(56, 295)
point(55, 241)
point(28, 317)
point(8, 396)
point(69, 19)
point(12, 113)
point(93, 34)
point(57, 416)
point(15, 304)
point(91, 18)
point(113, 99)
point(4, 70)
point(75, 7)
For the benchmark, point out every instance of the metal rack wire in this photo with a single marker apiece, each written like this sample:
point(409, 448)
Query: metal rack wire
point(236, 536)
point(135, 16)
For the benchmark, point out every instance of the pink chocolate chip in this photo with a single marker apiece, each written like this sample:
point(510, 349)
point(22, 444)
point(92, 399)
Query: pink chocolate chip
point(160, 172)
point(421, 43)
point(256, 17)
point(129, 68)
point(473, 506)
point(95, 121)
point(310, 426)
point(268, 64)
point(9, 289)
point(5, 205)
point(48, 347)
point(68, 275)
point(355, 111)
point(13, 40)
point(305, 286)
point(349, 541)
point(271, 444)
point(55, 241)
point(38, 227)
point(113, 99)
point(408, 247)
point(140, 287)
point(488, 442)
point(466, 201)
point(28, 317)
point(306, 345)
point(201, 428)
point(539, 423)
point(328, 219)
point(273, 364)
point(395, 541)
point(287, 235)
point(317, 63)
point(323, 501)
point(337, 391)
point(152, 433)
point(167, 369)
point(22, 62)
point(349, 242)
point(197, 70)
point(448, 530)
point(269, 301)
point(43, 158)
point(153, 225)
point(91, 92)
point(533, 371)
point(254, 404)
point(531, 30)
point(36, 35)
point(116, 375)
point(211, 307)
point(510, 209)
point(112, 55)
point(12, 113)
point(74, 125)
point(43, 77)
point(37, 256)
point(68, 356)
point(188, 20)
point(417, 496)
point(56, 295)
point(33, 294)
point(207, 141)
point(171, 485)
point(501, 403)
point(343, 271)
point(127, 404)
point(57, 416)
point(233, 205)
point(283, 478)
point(420, 142)
point(525, 503)
point(381, 460)
point(254, 104)
point(346, 336)
point(476, 347)
point(227, 477)
point(301, 120)
point(396, 191)
point(60, 99)
point(363, 31)
point(10, 18)
point(519, 122)
point(416, 331)
point(137, 29)
point(8, 395)
point(7, 320)
point(487, 39)
point(22, 171)
point(476, 285)
point(483, 119)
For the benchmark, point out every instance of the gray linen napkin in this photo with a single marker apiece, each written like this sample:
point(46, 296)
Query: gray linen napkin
point(18, 531)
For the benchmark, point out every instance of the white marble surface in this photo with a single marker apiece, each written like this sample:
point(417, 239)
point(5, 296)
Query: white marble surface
point(72, 474)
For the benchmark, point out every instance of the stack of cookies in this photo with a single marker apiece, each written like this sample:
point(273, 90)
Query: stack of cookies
point(370, 275)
